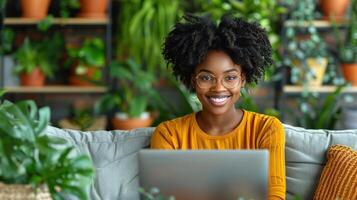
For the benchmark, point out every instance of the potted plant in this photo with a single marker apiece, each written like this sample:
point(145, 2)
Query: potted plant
point(347, 49)
point(86, 62)
point(83, 118)
point(334, 9)
point(132, 98)
point(36, 9)
point(93, 8)
point(37, 59)
point(306, 51)
point(34, 165)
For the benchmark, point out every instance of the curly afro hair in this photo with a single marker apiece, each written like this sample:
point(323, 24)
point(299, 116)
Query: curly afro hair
point(246, 43)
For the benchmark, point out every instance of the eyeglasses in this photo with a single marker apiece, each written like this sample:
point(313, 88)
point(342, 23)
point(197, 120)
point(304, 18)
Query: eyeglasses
point(206, 80)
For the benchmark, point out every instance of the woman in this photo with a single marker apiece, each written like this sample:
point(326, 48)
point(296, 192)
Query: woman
point(216, 62)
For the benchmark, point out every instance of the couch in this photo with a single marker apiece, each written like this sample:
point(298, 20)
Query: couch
point(114, 157)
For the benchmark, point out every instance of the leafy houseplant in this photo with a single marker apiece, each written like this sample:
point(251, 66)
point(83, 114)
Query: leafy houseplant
point(320, 115)
point(347, 49)
point(37, 59)
point(143, 24)
point(66, 5)
point(133, 96)
point(305, 51)
point(87, 62)
point(30, 157)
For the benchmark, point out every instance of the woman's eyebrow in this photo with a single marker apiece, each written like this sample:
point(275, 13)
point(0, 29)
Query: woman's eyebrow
point(231, 70)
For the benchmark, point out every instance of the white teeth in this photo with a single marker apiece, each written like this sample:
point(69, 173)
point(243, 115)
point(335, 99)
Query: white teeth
point(219, 100)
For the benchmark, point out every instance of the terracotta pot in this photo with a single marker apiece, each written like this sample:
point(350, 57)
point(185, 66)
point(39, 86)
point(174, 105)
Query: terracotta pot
point(336, 8)
point(35, 78)
point(93, 8)
point(83, 79)
point(35, 8)
point(131, 123)
point(349, 71)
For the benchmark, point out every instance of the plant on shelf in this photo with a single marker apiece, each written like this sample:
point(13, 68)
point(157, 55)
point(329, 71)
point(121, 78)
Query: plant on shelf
point(347, 48)
point(132, 97)
point(36, 60)
point(305, 50)
point(87, 62)
point(35, 163)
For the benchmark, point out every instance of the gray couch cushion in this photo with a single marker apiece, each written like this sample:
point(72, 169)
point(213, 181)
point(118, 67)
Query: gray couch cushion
point(114, 155)
point(305, 156)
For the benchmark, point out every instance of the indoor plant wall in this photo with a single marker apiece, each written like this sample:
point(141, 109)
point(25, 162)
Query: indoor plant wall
point(35, 163)
point(132, 97)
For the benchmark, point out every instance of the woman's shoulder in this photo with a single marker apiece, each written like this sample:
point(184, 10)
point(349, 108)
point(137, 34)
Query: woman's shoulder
point(263, 119)
point(177, 122)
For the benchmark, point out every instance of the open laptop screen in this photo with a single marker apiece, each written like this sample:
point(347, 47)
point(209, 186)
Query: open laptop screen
point(205, 174)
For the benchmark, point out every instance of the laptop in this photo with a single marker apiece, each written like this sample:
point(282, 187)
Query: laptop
point(205, 174)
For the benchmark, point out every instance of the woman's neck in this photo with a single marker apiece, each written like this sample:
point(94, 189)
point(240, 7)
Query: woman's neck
point(219, 124)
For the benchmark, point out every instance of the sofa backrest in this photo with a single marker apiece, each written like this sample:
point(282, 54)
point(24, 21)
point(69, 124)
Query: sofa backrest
point(305, 156)
point(114, 157)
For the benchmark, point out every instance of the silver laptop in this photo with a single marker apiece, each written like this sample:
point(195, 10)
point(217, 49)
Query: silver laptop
point(205, 174)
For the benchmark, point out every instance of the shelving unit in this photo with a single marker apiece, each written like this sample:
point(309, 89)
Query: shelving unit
point(320, 23)
point(56, 89)
point(291, 89)
point(289, 94)
point(57, 21)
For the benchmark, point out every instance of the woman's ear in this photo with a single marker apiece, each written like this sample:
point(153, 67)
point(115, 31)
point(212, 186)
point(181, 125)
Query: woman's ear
point(243, 79)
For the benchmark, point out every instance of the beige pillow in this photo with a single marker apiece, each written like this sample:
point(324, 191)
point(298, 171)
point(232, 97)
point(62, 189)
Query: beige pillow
point(338, 180)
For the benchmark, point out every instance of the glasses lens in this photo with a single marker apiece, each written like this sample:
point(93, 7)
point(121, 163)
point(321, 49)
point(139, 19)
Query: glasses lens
point(231, 80)
point(205, 80)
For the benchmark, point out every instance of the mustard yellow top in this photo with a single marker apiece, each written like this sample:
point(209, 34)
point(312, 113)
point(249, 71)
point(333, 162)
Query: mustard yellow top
point(255, 131)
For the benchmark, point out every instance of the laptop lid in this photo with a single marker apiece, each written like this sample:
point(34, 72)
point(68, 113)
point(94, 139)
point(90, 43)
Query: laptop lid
point(205, 174)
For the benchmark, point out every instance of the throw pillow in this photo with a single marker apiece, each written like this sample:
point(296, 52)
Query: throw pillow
point(339, 177)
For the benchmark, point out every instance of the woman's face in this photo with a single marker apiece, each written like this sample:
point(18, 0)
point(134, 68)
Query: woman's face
point(217, 81)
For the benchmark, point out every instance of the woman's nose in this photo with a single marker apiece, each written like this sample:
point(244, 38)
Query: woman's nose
point(218, 86)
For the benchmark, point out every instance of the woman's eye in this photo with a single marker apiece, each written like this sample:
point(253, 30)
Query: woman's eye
point(206, 78)
point(231, 78)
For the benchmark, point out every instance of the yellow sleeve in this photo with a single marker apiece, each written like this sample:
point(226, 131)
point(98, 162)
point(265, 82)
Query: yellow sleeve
point(161, 138)
point(274, 141)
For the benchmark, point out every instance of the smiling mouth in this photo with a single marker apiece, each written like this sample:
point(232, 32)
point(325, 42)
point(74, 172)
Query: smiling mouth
point(218, 100)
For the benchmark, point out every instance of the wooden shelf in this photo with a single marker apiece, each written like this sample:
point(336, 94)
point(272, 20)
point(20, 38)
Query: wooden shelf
point(58, 21)
point(56, 89)
point(316, 23)
point(321, 89)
